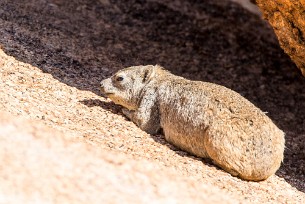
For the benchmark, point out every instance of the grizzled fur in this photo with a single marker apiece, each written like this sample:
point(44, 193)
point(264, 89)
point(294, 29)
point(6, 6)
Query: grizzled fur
point(204, 119)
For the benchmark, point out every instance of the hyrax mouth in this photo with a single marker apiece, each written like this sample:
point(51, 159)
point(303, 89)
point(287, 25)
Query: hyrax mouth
point(105, 93)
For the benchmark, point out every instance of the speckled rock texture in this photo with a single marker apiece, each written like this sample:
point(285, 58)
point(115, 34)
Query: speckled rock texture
point(287, 18)
point(54, 53)
point(41, 165)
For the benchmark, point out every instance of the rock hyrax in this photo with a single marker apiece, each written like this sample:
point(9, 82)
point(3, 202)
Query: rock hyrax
point(204, 119)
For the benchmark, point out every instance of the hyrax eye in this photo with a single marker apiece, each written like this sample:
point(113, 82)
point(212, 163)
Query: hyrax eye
point(119, 78)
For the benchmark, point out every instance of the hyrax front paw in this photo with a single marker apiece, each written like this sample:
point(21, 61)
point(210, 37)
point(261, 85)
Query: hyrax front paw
point(127, 113)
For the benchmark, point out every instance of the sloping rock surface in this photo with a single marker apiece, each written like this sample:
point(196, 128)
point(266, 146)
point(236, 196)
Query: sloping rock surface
point(54, 54)
point(41, 165)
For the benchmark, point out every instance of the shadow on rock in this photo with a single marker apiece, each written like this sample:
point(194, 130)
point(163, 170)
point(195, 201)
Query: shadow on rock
point(161, 139)
point(109, 106)
point(81, 42)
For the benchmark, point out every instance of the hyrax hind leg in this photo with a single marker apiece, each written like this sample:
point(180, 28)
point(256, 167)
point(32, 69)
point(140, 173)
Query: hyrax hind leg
point(230, 156)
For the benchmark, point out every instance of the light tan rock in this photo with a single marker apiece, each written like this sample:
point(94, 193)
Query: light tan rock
point(41, 165)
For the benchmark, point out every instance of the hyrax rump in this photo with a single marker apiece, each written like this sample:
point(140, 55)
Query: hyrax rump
point(204, 119)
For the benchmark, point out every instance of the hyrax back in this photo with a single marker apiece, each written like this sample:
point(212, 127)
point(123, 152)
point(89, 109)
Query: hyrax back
point(205, 119)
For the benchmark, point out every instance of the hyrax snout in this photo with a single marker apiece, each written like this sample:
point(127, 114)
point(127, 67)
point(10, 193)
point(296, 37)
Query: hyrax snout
point(204, 119)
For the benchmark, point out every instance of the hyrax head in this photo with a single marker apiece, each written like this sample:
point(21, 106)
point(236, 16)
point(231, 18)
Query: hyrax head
point(125, 86)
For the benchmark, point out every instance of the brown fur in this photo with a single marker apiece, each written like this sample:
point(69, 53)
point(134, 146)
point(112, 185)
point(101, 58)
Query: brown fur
point(205, 119)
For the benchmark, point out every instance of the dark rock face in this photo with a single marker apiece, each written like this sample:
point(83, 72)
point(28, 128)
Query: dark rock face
point(288, 20)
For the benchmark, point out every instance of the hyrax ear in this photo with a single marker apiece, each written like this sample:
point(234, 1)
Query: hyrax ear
point(149, 73)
